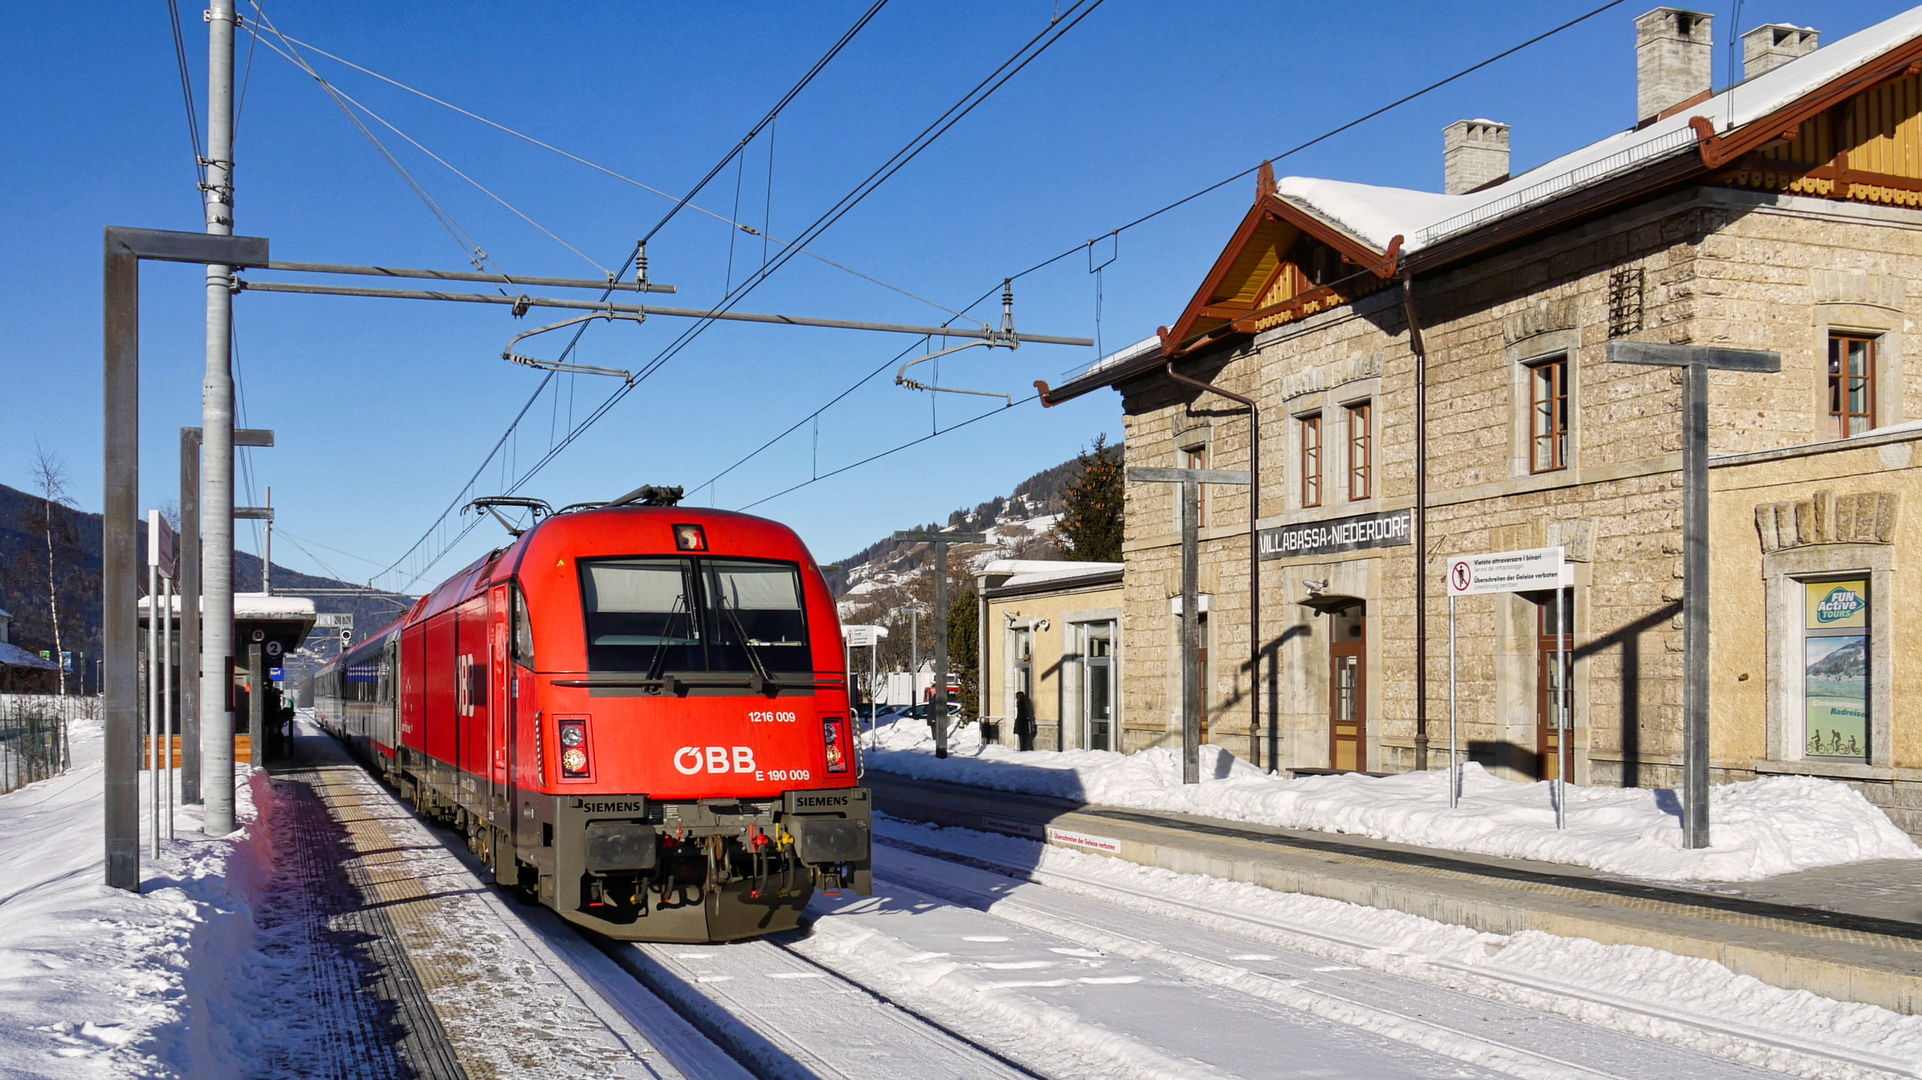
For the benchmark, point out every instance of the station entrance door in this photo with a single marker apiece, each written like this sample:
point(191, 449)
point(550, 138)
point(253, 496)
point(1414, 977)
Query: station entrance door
point(1348, 687)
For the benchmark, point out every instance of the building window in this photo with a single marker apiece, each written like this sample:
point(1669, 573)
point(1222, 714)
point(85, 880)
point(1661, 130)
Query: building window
point(1311, 460)
point(1548, 414)
point(1835, 668)
point(1360, 476)
point(1851, 384)
point(1196, 459)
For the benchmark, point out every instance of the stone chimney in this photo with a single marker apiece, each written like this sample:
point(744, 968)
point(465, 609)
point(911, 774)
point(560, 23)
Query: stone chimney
point(1672, 53)
point(1474, 155)
point(1766, 48)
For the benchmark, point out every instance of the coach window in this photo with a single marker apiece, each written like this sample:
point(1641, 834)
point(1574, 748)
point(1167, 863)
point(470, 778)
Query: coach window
point(523, 631)
point(1361, 473)
point(1548, 414)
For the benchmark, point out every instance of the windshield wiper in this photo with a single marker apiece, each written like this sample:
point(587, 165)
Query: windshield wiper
point(753, 656)
point(660, 648)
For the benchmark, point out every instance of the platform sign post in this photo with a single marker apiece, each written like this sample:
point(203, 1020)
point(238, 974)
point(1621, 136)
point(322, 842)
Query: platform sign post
point(1190, 481)
point(1695, 361)
point(869, 638)
point(1533, 570)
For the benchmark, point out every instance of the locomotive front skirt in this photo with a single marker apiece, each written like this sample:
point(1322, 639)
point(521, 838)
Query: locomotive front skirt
point(638, 715)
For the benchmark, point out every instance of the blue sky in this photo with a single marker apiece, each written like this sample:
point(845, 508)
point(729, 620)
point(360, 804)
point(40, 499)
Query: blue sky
point(385, 408)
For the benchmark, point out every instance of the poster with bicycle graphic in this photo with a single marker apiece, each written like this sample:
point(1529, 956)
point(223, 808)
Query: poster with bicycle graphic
point(1835, 685)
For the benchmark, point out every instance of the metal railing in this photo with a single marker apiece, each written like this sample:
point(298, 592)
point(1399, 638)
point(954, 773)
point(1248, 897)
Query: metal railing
point(33, 737)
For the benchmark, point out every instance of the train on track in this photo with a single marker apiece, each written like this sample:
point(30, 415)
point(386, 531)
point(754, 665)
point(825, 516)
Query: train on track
point(637, 714)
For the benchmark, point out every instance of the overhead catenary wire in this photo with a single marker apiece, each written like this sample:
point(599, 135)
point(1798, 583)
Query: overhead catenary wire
point(470, 250)
point(187, 91)
point(1142, 219)
point(766, 237)
point(444, 163)
point(973, 98)
point(1323, 137)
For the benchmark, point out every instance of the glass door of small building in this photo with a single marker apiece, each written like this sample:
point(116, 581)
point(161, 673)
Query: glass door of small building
point(1348, 688)
point(1550, 678)
point(1097, 686)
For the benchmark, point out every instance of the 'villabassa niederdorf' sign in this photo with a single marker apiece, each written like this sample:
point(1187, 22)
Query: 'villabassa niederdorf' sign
point(1391, 529)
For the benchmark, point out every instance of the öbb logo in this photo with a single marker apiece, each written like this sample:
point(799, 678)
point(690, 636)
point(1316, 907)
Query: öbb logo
point(689, 760)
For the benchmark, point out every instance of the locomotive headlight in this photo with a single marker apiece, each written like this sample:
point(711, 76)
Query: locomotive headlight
point(831, 736)
point(572, 733)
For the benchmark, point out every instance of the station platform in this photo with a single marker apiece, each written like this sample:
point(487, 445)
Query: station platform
point(1850, 933)
point(414, 966)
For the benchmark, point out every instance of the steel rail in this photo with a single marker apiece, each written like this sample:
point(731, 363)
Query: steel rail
point(463, 275)
point(636, 309)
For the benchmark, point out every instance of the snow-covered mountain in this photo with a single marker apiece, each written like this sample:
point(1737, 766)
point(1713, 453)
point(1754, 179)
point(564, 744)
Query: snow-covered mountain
point(884, 581)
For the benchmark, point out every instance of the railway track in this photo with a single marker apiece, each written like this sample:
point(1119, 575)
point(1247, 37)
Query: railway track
point(1736, 1045)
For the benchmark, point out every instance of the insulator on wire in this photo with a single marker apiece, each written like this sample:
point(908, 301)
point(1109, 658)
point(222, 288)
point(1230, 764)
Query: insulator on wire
point(640, 264)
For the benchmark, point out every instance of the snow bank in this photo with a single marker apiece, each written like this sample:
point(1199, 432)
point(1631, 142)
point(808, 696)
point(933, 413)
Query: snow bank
point(96, 982)
point(1760, 827)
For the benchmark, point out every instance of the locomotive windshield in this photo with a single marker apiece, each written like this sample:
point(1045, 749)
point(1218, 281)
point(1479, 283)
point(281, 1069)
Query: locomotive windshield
point(655, 615)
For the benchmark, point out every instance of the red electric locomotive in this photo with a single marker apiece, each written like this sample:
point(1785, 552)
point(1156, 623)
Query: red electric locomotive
point(638, 714)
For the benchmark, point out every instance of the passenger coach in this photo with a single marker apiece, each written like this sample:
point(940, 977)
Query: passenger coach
point(637, 714)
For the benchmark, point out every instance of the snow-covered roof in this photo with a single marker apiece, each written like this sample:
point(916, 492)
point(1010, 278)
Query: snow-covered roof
point(1376, 215)
point(1024, 573)
point(14, 656)
point(255, 606)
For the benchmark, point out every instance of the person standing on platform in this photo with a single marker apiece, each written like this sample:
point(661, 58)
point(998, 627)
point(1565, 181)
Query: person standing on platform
point(1024, 719)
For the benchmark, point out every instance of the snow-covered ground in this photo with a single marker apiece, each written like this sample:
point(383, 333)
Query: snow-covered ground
point(96, 982)
point(1528, 1004)
point(1760, 828)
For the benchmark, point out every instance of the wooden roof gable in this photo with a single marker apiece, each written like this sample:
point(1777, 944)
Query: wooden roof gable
point(1257, 281)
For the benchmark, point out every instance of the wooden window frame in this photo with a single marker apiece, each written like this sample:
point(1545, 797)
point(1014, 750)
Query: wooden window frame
point(1195, 457)
point(1311, 460)
point(1557, 434)
point(1361, 474)
point(1841, 416)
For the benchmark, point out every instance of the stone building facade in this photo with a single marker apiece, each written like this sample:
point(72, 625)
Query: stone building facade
point(1795, 228)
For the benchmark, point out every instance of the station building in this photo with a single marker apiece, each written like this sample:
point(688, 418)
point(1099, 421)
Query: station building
point(1784, 213)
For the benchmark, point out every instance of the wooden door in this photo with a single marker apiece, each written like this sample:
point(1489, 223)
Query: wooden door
point(1549, 678)
point(1348, 689)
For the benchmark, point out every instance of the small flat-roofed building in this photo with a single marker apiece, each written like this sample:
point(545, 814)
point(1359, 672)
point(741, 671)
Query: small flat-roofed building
point(1053, 629)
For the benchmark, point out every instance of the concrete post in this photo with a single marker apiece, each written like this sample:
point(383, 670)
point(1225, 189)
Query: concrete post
point(217, 426)
point(119, 585)
point(1190, 632)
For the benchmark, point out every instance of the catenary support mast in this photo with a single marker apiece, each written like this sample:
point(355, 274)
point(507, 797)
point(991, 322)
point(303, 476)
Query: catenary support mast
point(217, 428)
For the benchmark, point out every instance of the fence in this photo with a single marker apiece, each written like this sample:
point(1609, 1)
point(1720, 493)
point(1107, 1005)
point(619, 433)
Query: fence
point(33, 735)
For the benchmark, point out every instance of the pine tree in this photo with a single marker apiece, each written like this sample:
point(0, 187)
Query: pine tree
point(964, 649)
point(1091, 519)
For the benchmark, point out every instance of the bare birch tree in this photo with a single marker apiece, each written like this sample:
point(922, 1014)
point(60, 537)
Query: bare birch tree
point(48, 475)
